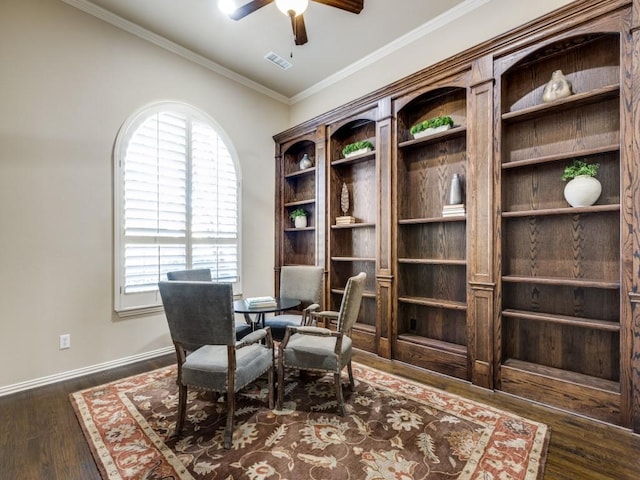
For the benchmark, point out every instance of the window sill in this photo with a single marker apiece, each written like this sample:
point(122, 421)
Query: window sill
point(140, 311)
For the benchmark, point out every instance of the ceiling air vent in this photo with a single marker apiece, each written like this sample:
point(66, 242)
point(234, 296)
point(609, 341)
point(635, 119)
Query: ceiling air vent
point(278, 61)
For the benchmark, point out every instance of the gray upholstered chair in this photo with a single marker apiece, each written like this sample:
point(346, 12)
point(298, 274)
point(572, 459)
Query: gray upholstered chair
point(301, 282)
point(201, 313)
point(194, 275)
point(321, 349)
point(204, 275)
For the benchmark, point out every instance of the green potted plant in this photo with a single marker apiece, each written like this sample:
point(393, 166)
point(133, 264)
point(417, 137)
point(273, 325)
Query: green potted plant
point(430, 126)
point(583, 189)
point(299, 217)
point(357, 148)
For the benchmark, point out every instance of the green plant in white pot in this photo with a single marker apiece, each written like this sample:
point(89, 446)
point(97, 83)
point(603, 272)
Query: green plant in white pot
point(357, 148)
point(583, 189)
point(431, 126)
point(299, 217)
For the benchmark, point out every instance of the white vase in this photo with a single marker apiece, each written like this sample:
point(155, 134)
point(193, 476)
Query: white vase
point(358, 152)
point(305, 162)
point(300, 222)
point(582, 191)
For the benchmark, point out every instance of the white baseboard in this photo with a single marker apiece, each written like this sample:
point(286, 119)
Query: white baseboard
point(59, 377)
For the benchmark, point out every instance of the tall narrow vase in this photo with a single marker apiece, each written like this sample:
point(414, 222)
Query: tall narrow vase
point(455, 193)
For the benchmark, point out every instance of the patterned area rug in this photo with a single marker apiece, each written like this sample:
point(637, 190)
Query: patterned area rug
point(395, 429)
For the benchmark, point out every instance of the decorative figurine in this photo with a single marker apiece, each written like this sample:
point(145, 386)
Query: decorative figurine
point(558, 87)
point(344, 206)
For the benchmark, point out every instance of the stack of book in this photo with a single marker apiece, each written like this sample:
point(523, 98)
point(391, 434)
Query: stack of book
point(346, 220)
point(456, 210)
point(260, 302)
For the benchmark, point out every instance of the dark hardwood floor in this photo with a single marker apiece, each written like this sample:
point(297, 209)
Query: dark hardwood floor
point(40, 437)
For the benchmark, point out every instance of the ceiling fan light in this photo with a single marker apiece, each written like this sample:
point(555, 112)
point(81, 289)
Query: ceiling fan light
point(297, 6)
point(227, 6)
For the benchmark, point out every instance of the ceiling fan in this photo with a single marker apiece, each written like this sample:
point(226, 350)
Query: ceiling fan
point(294, 10)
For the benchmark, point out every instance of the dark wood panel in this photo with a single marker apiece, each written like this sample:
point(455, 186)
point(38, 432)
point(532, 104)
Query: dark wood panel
point(300, 188)
point(298, 247)
point(450, 101)
point(540, 187)
point(577, 57)
point(364, 339)
point(354, 242)
point(562, 277)
point(571, 393)
point(296, 189)
point(341, 271)
point(576, 129)
point(594, 303)
point(441, 324)
point(479, 333)
point(564, 246)
point(353, 130)
point(433, 359)
point(360, 179)
point(441, 240)
point(427, 174)
point(293, 154)
point(447, 282)
point(586, 351)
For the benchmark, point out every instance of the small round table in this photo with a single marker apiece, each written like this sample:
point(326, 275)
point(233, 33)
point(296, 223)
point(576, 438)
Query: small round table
point(282, 304)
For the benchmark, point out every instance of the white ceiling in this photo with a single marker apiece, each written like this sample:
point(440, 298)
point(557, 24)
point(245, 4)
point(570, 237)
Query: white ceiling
point(337, 39)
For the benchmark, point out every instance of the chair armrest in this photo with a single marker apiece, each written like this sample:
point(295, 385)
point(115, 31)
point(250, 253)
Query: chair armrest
point(311, 308)
point(306, 314)
point(314, 331)
point(255, 337)
point(325, 314)
point(311, 330)
point(308, 330)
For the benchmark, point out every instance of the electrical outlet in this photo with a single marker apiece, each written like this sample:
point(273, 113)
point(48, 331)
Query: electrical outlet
point(65, 341)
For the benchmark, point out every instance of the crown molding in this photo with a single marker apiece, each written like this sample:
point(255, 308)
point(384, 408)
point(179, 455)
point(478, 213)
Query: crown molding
point(438, 22)
point(130, 27)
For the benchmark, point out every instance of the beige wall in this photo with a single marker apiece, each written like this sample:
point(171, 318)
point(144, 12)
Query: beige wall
point(67, 83)
point(490, 19)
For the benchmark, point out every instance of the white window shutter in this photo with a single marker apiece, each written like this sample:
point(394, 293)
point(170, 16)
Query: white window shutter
point(178, 207)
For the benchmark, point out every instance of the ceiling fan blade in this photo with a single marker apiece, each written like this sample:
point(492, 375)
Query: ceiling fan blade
point(353, 6)
point(248, 8)
point(299, 30)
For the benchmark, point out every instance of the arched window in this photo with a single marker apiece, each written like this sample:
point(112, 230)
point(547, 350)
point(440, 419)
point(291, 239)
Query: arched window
point(176, 203)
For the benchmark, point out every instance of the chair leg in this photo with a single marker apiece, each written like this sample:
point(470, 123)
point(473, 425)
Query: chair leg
point(280, 382)
point(270, 377)
point(339, 397)
point(228, 431)
point(182, 408)
point(350, 370)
